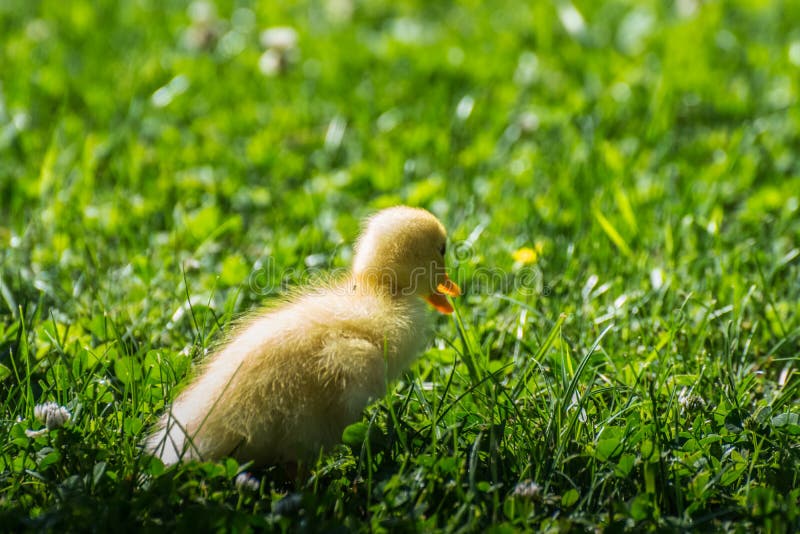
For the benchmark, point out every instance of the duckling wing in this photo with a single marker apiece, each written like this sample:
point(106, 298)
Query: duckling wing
point(356, 371)
point(301, 409)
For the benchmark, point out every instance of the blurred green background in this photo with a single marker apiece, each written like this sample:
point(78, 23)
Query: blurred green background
point(142, 131)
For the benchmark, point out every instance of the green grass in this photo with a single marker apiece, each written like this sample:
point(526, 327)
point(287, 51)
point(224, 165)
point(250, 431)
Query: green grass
point(641, 372)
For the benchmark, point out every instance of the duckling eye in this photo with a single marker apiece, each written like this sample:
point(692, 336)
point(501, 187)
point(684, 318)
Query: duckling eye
point(443, 249)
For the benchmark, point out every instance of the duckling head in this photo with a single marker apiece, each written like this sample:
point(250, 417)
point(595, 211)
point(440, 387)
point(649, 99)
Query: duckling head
point(401, 251)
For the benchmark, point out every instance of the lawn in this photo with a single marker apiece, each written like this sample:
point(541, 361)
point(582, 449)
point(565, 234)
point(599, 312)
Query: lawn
point(621, 187)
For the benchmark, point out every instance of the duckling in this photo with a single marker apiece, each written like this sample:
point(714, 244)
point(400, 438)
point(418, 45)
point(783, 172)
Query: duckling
point(292, 377)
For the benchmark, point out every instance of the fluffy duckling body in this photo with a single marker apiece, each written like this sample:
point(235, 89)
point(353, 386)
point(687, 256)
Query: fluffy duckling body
point(291, 378)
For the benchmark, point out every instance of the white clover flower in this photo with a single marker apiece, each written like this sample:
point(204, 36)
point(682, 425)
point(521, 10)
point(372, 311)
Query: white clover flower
point(527, 489)
point(202, 12)
point(281, 51)
point(691, 402)
point(270, 63)
point(52, 415)
point(205, 27)
point(279, 38)
point(244, 481)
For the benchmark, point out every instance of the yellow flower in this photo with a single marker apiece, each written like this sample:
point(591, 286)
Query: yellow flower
point(528, 254)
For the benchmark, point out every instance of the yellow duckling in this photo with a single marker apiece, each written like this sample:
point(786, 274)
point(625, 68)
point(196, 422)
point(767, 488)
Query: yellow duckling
point(291, 378)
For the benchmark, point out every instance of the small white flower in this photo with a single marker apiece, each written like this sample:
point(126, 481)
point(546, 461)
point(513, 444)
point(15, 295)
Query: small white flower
point(244, 481)
point(52, 415)
point(691, 402)
point(529, 121)
point(202, 12)
point(527, 489)
point(35, 433)
point(281, 52)
point(270, 63)
point(279, 38)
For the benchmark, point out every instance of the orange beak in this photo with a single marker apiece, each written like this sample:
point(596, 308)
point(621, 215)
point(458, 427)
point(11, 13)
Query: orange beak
point(438, 299)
